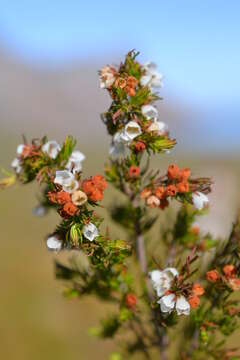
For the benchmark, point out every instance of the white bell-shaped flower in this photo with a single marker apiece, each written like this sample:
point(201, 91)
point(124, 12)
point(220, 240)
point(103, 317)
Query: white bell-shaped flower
point(16, 165)
point(90, 231)
point(151, 77)
point(150, 112)
point(182, 306)
point(54, 244)
point(131, 131)
point(167, 303)
point(75, 161)
point(200, 200)
point(117, 148)
point(67, 180)
point(162, 280)
point(51, 148)
point(159, 127)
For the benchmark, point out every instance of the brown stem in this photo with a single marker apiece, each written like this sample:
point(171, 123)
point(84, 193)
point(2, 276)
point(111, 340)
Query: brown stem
point(161, 336)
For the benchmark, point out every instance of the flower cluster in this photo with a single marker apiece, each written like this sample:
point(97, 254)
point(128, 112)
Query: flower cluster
point(176, 184)
point(174, 293)
point(132, 118)
point(227, 277)
point(71, 194)
point(43, 155)
point(94, 187)
point(60, 169)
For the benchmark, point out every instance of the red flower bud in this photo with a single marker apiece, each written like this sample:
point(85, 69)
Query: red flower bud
point(134, 171)
point(131, 301)
point(212, 276)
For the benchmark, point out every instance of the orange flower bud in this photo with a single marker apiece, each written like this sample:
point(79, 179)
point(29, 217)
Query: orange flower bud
point(132, 82)
point(70, 209)
point(194, 301)
point(198, 290)
point(229, 270)
point(88, 186)
point(171, 190)
point(131, 301)
point(130, 91)
point(140, 146)
point(184, 174)
point(99, 182)
point(94, 187)
point(159, 192)
point(234, 284)
point(63, 197)
point(52, 196)
point(134, 171)
point(212, 276)
point(183, 187)
point(173, 172)
point(96, 195)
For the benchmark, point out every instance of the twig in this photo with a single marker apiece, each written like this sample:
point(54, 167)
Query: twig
point(141, 256)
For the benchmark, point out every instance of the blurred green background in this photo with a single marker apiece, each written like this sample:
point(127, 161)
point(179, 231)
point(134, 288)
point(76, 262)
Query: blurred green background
point(49, 56)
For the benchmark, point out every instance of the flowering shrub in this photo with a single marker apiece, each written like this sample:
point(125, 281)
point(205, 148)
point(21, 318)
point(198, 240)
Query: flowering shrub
point(159, 288)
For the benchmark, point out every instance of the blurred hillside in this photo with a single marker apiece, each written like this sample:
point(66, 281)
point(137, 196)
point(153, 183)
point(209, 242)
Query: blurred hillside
point(65, 99)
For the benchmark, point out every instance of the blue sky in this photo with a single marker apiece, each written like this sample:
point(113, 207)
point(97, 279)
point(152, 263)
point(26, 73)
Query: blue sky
point(195, 43)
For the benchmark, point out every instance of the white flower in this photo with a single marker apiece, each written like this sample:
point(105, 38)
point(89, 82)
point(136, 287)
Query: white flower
point(131, 130)
point(162, 280)
point(200, 200)
point(54, 244)
point(51, 148)
point(67, 180)
point(150, 112)
point(16, 165)
point(169, 302)
point(151, 77)
point(20, 149)
point(39, 210)
point(90, 231)
point(117, 148)
point(182, 306)
point(75, 161)
point(107, 77)
point(123, 138)
point(159, 127)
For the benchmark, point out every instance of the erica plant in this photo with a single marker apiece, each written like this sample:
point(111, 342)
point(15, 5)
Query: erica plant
point(169, 303)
